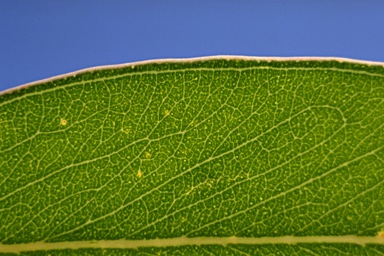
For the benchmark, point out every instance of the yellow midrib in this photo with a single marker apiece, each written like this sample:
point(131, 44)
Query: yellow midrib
point(184, 241)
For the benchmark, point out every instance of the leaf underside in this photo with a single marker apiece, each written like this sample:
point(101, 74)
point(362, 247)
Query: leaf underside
point(211, 148)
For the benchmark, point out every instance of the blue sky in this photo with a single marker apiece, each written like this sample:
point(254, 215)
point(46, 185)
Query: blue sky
point(41, 39)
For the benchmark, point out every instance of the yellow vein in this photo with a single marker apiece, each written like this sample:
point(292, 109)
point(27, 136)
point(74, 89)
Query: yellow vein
point(187, 241)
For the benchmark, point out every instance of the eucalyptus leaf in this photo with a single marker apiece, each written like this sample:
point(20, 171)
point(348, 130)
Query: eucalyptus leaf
point(209, 156)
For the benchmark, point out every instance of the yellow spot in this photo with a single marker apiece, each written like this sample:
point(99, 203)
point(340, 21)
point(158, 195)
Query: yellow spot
point(63, 122)
point(166, 112)
point(381, 234)
point(139, 174)
point(193, 123)
point(185, 151)
point(127, 130)
point(210, 182)
point(147, 155)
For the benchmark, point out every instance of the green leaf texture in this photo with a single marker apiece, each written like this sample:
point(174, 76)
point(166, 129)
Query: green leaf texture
point(211, 156)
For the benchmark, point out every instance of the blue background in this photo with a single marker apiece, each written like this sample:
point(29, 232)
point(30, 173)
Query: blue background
point(40, 39)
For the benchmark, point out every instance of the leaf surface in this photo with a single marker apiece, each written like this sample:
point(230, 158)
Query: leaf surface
point(213, 156)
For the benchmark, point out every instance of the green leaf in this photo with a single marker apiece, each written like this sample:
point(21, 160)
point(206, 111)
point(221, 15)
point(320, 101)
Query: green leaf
point(213, 156)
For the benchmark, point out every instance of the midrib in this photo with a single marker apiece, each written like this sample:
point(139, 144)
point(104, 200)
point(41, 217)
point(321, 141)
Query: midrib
point(183, 241)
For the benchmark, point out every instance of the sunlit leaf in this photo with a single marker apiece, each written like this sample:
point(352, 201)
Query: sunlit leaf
point(213, 156)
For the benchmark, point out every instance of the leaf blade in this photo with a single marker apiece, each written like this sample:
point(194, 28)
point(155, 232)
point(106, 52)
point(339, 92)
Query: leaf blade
point(247, 148)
